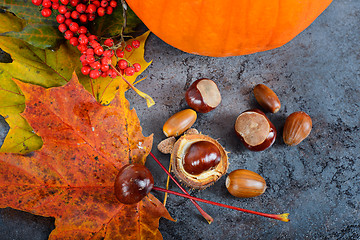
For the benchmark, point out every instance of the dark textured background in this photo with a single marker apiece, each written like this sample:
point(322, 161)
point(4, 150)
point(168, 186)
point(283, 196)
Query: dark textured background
point(317, 182)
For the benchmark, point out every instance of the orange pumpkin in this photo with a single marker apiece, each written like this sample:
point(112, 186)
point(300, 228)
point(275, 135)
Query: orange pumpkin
point(222, 28)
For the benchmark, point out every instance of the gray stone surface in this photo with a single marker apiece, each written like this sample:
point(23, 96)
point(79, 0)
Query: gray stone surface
point(317, 182)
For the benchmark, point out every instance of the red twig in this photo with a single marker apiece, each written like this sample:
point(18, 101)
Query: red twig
point(208, 218)
point(282, 217)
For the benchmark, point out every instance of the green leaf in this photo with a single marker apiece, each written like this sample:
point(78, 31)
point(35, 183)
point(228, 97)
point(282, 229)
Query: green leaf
point(20, 138)
point(38, 35)
point(110, 25)
point(24, 9)
point(35, 29)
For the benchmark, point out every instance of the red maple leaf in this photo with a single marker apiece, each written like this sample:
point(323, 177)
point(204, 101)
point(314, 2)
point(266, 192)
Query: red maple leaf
point(71, 177)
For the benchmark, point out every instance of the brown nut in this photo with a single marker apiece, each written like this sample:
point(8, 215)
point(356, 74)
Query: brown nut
point(267, 98)
point(198, 160)
point(191, 131)
point(297, 127)
point(255, 130)
point(203, 95)
point(166, 146)
point(245, 183)
point(179, 122)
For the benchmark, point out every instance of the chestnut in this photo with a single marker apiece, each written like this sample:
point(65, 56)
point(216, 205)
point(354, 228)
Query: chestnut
point(203, 95)
point(245, 183)
point(133, 183)
point(200, 157)
point(255, 130)
point(198, 160)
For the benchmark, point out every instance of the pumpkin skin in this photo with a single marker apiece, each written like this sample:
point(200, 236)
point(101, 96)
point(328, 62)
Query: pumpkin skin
point(227, 27)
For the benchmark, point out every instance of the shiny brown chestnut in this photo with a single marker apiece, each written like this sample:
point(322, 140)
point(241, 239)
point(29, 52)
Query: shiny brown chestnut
point(245, 183)
point(133, 183)
point(255, 130)
point(203, 95)
point(267, 98)
point(201, 156)
point(198, 160)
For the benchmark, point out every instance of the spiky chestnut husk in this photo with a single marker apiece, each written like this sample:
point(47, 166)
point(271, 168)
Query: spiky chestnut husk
point(206, 178)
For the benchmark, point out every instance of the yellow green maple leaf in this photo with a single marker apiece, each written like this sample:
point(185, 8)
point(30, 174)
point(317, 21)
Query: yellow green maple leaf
point(104, 89)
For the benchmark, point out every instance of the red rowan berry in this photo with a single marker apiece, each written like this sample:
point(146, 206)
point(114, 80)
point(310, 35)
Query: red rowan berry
point(60, 18)
point(99, 50)
point(68, 34)
point(104, 68)
point(83, 18)
point(91, 8)
point(46, 12)
point(74, 41)
point(119, 53)
point(135, 43)
point(46, 4)
point(62, 27)
point(75, 15)
point(36, 2)
point(62, 9)
point(55, 6)
point(113, 4)
point(109, 10)
point(129, 71)
point(123, 64)
point(74, 27)
point(83, 39)
point(85, 70)
point(109, 42)
point(82, 30)
point(137, 67)
point(101, 11)
point(74, 2)
point(91, 17)
point(128, 48)
point(94, 74)
point(82, 47)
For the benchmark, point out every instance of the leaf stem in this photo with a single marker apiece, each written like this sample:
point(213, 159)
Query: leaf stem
point(282, 217)
point(149, 100)
point(208, 218)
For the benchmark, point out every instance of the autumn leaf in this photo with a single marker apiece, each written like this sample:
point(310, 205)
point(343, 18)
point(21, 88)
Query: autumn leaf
point(29, 64)
point(71, 177)
point(20, 138)
point(39, 31)
point(111, 25)
point(45, 68)
point(104, 89)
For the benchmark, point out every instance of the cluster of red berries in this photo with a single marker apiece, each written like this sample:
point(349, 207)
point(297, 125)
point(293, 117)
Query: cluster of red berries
point(76, 9)
point(95, 58)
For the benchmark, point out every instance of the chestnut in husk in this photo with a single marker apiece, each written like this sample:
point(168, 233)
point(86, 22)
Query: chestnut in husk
point(198, 160)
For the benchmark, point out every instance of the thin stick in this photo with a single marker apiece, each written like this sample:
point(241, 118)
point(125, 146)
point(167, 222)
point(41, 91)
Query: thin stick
point(282, 217)
point(167, 184)
point(208, 218)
